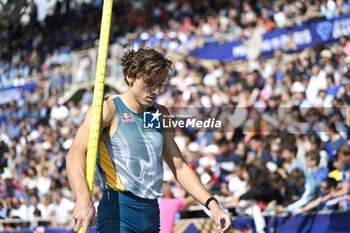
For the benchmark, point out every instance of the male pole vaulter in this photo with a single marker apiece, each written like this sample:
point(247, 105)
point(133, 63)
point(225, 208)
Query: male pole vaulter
point(96, 108)
point(129, 161)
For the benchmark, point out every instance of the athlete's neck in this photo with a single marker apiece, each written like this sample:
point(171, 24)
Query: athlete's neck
point(131, 102)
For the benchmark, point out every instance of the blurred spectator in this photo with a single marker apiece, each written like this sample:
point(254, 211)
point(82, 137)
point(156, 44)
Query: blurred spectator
point(193, 155)
point(312, 162)
point(332, 87)
point(308, 188)
point(259, 188)
point(48, 208)
point(328, 8)
point(259, 194)
point(343, 187)
point(236, 185)
point(317, 81)
point(289, 154)
point(3, 209)
point(337, 173)
point(169, 206)
point(257, 150)
point(35, 206)
point(207, 170)
point(285, 191)
point(63, 208)
point(312, 142)
point(334, 142)
point(18, 209)
point(279, 16)
point(346, 45)
point(226, 156)
point(87, 96)
point(328, 185)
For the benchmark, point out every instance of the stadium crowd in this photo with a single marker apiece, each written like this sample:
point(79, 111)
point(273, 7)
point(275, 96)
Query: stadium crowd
point(284, 142)
point(47, 33)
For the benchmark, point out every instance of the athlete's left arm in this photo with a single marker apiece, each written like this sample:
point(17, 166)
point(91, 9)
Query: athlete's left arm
point(188, 178)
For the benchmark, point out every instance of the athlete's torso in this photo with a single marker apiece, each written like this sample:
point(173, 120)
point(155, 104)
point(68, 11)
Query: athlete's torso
point(130, 160)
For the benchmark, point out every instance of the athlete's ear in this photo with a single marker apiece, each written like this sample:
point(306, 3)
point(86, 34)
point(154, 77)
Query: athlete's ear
point(130, 80)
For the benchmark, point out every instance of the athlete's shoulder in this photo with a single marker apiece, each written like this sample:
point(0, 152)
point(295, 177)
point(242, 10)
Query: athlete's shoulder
point(109, 109)
point(111, 98)
point(109, 102)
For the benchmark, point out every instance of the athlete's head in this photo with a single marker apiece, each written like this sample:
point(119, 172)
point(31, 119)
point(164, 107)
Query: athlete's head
point(145, 71)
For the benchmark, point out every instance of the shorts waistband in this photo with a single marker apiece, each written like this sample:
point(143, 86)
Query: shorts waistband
point(126, 196)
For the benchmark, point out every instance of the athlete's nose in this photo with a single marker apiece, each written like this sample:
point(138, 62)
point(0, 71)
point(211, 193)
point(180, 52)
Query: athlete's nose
point(156, 90)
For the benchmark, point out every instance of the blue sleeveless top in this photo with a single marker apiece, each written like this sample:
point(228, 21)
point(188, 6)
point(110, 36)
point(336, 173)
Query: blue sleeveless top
point(131, 160)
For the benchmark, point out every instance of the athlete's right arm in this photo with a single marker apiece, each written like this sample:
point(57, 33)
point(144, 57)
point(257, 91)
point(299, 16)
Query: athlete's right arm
point(84, 212)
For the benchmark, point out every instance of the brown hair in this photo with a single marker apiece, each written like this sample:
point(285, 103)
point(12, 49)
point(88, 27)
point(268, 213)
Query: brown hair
point(313, 112)
point(291, 148)
point(345, 149)
point(332, 127)
point(314, 155)
point(296, 175)
point(274, 177)
point(314, 138)
point(148, 64)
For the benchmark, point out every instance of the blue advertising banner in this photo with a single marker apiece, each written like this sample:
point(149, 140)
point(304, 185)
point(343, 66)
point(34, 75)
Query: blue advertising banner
point(13, 93)
point(288, 39)
point(47, 230)
point(305, 223)
point(308, 223)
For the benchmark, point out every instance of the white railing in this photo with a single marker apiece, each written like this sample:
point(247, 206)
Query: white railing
point(33, 222)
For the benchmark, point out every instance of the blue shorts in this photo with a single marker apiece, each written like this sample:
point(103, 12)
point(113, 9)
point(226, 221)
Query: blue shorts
point(125, 212)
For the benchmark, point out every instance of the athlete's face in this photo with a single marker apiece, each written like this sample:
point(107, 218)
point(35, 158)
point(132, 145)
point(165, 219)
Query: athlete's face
point(145, 94)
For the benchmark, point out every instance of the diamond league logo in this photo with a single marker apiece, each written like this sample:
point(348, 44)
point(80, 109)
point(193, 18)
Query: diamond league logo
point(324, 30)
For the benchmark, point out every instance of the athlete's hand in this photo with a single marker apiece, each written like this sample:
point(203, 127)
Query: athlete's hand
point(222, 219)
point(84, 214)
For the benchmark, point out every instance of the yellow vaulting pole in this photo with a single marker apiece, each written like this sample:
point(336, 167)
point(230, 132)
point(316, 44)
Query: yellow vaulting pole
point(98, 94)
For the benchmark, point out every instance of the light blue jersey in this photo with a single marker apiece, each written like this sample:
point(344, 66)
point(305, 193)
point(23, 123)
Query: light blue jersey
point(131, 160)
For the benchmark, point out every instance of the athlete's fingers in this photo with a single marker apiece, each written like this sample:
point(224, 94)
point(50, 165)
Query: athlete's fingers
point(225, 221)
point(85, 227)
point(217, 222)
point(77, 225)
